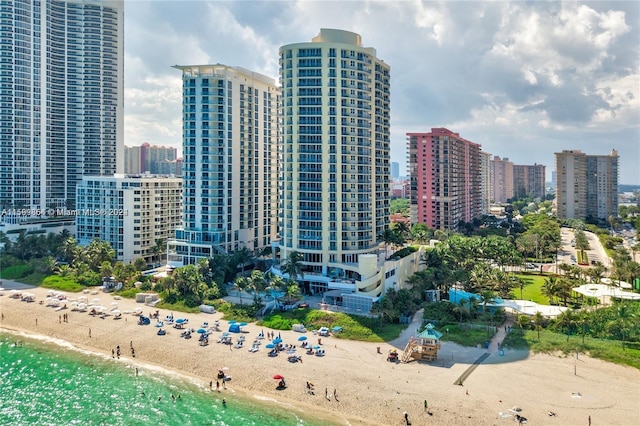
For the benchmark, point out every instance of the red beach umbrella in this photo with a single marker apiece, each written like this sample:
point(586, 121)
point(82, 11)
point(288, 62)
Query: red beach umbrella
point(278, 377)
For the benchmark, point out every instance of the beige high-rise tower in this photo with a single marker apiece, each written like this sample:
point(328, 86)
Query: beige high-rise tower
point(587, 185)
point(335, 181)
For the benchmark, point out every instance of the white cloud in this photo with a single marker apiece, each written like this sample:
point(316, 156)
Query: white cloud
point(524, 79)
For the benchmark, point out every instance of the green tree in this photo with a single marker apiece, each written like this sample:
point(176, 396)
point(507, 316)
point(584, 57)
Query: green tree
point(550, 288)
point(523, 321)
point(420, 233)
point(293, 266)
point(538, 321)
point(241, 284)
point(140, 264)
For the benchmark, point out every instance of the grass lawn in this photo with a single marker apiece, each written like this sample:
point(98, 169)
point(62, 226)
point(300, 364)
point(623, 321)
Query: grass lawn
point(532, 289)
point(550, 342)
point(466, 336)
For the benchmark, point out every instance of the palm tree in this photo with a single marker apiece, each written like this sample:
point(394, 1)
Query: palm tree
point(550, 288)
point(487, 296)
point(159, 250)
point(596, 272)
point(276, 285)
point(538, 321)
point(241, 284)
point(242, 257)
point(624, 317)
point(460, 309)
point(389, 238)
point(293, 266)
point(51, 265)
point(523, 321)
point(293, 292)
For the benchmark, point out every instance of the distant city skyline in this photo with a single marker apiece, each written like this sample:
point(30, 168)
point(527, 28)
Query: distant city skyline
point(522, 79)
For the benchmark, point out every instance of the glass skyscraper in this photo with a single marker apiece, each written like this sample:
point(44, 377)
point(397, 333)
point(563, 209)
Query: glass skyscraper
point(61, 96)
point(230, 133)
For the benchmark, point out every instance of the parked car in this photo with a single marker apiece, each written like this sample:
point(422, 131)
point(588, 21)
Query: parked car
point(531, 266)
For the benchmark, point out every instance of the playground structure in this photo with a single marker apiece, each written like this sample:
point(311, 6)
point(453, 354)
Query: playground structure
point(424, 347)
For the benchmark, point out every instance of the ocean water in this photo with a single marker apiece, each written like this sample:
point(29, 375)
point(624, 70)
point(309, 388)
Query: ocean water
point(47, 384)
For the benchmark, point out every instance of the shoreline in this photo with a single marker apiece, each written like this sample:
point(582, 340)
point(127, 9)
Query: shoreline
point(371, 390)
point(298, 408)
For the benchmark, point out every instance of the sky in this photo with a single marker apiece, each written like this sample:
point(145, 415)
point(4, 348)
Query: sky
point(524, 79)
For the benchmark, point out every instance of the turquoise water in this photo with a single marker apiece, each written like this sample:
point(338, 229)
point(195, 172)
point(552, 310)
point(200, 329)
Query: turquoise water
point(45, 384)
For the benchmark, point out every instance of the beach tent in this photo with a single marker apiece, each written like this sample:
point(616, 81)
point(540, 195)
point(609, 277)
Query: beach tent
point(234, 328)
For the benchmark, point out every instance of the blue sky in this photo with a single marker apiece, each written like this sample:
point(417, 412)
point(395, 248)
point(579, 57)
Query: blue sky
point(523, 79)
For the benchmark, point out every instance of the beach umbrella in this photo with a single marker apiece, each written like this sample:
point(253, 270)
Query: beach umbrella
point(316, 347)
point(242, 324)
point(269, 346)
point(201, 331)
point(277, 340)
point(278, 377)
point(302, 338)
point(232, 321)
point(180, 321)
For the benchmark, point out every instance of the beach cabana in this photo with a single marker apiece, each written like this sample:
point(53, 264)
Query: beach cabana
point(424, 347)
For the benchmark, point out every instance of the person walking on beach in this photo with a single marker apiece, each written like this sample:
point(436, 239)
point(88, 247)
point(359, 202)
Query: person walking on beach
point(113, 353)
point(589, 420)
point(425, 405)
point(406, 419)
point(218, 386)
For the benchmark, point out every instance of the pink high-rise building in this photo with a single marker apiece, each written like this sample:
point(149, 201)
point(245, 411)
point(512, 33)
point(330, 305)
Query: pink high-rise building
point(446, 181)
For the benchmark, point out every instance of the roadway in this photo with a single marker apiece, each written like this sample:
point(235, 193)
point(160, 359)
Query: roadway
point(568, 254)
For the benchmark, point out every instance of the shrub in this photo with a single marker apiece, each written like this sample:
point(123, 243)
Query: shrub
point(146, 286)
point(17, 271)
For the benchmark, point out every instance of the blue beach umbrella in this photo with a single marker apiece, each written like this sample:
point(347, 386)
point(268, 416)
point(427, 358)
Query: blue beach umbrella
point(269, 346)
point(302, 338)
point(242, 324)
point(316, 347)
point(201, 331)
point(232, 321)
point(277, 340)
point(180, 320)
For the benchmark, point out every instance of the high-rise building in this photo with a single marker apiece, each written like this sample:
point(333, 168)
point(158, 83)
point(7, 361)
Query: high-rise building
point(529, 181)
point(502, 179)
point(446, 182)
point(230, 162)
point(149, 159)
point(135, 214)
point(335, 180)
point(486, 181)
point(61, 90)
point(395, 170)
point(587, 185)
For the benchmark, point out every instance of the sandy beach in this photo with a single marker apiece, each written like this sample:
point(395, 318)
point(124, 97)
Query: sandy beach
point(370, 390)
